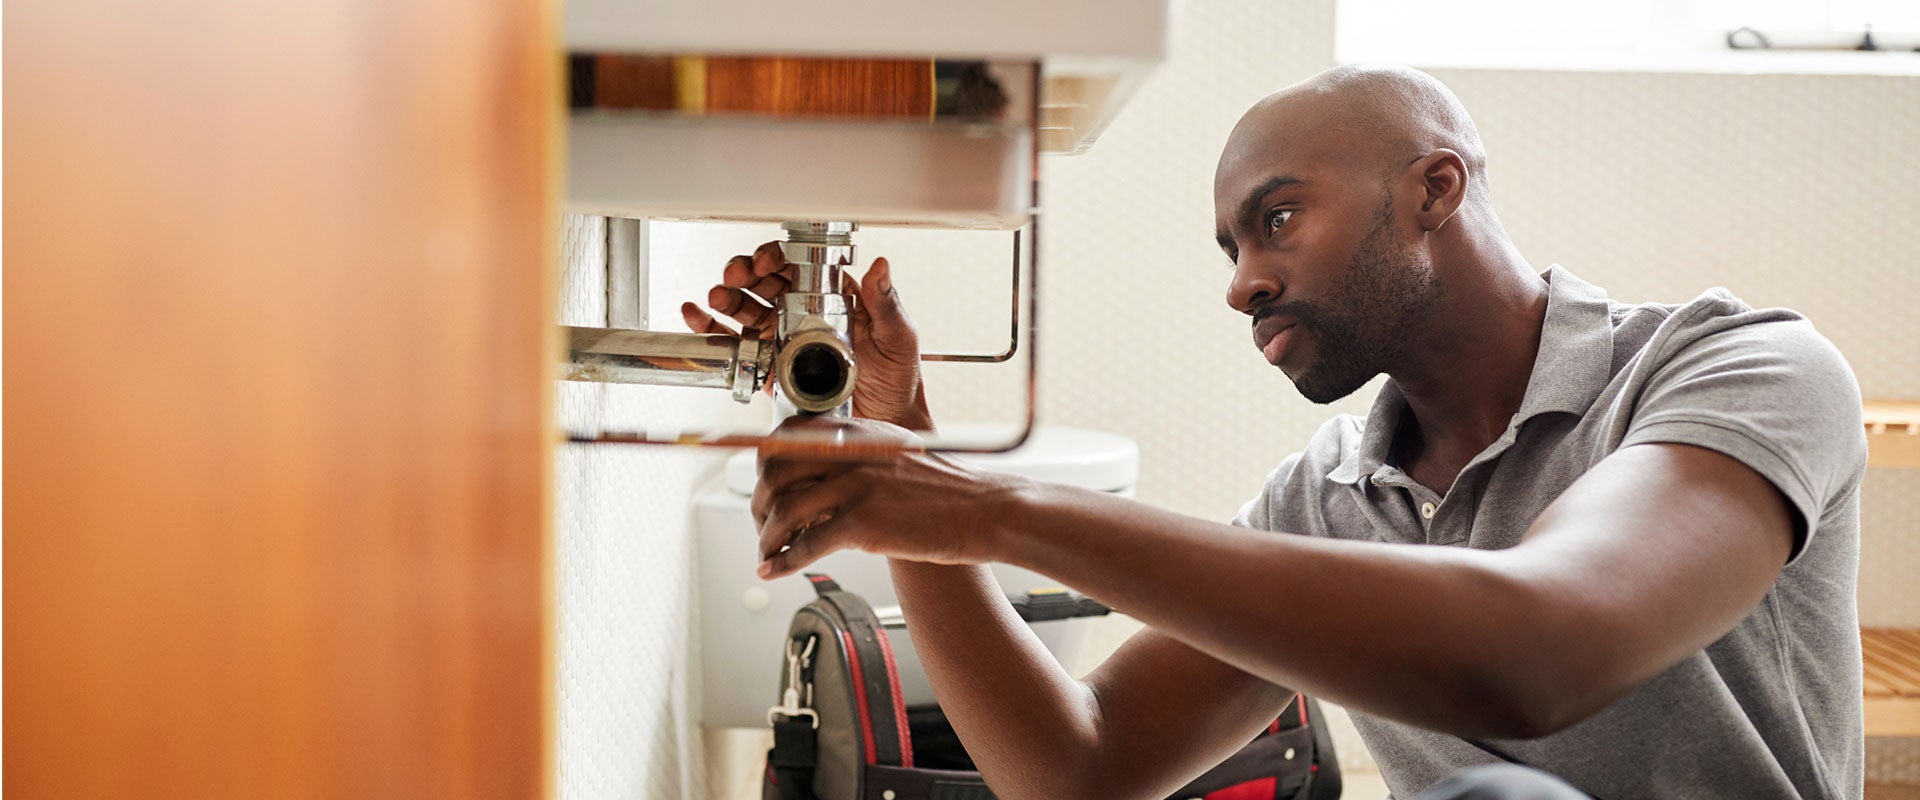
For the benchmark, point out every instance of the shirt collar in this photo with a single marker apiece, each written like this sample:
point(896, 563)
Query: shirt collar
point(1572, 367)
point(1376, 439)
point(1576, 348)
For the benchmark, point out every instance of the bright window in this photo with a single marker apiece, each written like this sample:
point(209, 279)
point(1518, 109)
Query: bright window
point(1631, 34)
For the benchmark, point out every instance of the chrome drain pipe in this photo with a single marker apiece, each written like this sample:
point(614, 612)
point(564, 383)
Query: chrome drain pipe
point(718, 361)
point(815, 369)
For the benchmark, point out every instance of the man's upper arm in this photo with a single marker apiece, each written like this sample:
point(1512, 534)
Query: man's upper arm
point(1654, 554)
point(1776, 397)
point(1734, 448)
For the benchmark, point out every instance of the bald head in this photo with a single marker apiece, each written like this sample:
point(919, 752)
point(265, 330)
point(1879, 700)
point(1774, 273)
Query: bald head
point(1349, 202)
point(1378, 115)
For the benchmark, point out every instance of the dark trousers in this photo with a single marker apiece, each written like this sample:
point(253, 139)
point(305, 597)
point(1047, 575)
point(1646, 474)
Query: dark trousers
point(1501, 782)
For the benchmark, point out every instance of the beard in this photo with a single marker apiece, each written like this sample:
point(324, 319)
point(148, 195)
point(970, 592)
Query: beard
point(1366, 324)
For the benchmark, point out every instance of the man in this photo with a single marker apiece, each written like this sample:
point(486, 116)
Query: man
point(1647, 516)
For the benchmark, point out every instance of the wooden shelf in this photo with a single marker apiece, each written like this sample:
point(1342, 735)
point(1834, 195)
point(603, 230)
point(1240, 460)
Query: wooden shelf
point(1893, 433)
point(1891, 791)
point(1892, 657)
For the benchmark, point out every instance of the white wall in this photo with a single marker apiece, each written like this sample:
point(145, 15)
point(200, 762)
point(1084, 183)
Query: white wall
point(627, 722)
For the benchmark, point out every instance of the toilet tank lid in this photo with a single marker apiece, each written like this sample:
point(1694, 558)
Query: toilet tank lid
point(1097, 460)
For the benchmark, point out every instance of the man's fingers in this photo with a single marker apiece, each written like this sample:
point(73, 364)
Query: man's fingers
point(768, 259)
point(851, 286)
point(744, 308)
point(811, 545)
point(739, 274)
point(700, 321)
point(877, 290)
point(881, 318)
point(794, 512)
point(770, 287)
point(726, 299)
point(793, 477)
point(745, 293)
point(782, 475)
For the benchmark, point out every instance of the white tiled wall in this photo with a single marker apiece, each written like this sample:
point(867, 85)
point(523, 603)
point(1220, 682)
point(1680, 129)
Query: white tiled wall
point(626, 725)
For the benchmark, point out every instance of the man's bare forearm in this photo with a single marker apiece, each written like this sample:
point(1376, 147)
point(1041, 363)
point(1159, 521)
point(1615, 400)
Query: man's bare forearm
point(1414, 625)
point(1155, 713)
point(1028, 725)
point(1652, 555)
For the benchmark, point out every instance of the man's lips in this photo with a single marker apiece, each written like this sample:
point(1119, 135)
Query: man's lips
point(1273, 335)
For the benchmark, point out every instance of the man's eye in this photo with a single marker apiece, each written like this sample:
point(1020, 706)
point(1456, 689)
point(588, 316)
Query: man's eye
point(1277, 218)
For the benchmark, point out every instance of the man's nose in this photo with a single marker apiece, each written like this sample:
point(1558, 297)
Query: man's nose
point(1252, 287)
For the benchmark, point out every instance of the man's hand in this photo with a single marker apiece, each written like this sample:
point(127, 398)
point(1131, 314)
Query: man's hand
point(885, 344)
point(916, 507)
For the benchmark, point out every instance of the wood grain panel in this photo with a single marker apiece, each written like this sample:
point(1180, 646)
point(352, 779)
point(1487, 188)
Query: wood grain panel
point(628, 81)
point(277, 336)
point(821, 86)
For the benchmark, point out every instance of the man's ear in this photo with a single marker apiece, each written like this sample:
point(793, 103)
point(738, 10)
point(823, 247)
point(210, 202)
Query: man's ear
point(1443, 185)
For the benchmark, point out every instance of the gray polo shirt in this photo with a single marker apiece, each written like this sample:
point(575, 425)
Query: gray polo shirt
point(1772, 709)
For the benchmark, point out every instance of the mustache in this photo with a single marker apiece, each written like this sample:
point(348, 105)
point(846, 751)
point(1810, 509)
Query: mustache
point(1303, 313)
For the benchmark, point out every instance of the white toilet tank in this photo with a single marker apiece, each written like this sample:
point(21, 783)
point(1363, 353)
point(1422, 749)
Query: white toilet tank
point(742, 620)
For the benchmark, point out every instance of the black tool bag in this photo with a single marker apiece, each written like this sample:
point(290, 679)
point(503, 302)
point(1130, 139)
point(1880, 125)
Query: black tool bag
point(842, 730)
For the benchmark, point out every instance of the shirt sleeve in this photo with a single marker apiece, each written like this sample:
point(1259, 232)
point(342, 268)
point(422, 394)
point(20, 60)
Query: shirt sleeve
point(1766, 389)
point(1259, 513)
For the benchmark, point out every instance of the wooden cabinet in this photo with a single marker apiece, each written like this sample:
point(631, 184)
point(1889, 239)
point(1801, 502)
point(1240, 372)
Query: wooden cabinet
point(277, 344)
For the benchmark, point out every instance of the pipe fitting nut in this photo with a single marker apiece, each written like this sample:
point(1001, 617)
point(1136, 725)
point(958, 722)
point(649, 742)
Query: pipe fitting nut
point(751, 366)
point(815, 368)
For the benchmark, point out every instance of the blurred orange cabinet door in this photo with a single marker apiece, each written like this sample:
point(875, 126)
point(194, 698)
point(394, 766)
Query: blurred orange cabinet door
point(277, 342)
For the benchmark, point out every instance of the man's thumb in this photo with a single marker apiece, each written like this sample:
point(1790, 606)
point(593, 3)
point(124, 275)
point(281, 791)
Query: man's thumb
point(876, 290)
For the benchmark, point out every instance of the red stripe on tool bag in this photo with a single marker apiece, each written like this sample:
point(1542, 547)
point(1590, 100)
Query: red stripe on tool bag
point(859, 693)
point(899, 700)
point(1299, 704)
point(1256, 789)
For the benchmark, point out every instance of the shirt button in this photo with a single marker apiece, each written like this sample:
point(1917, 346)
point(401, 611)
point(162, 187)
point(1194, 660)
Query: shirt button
point(1426, 511)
